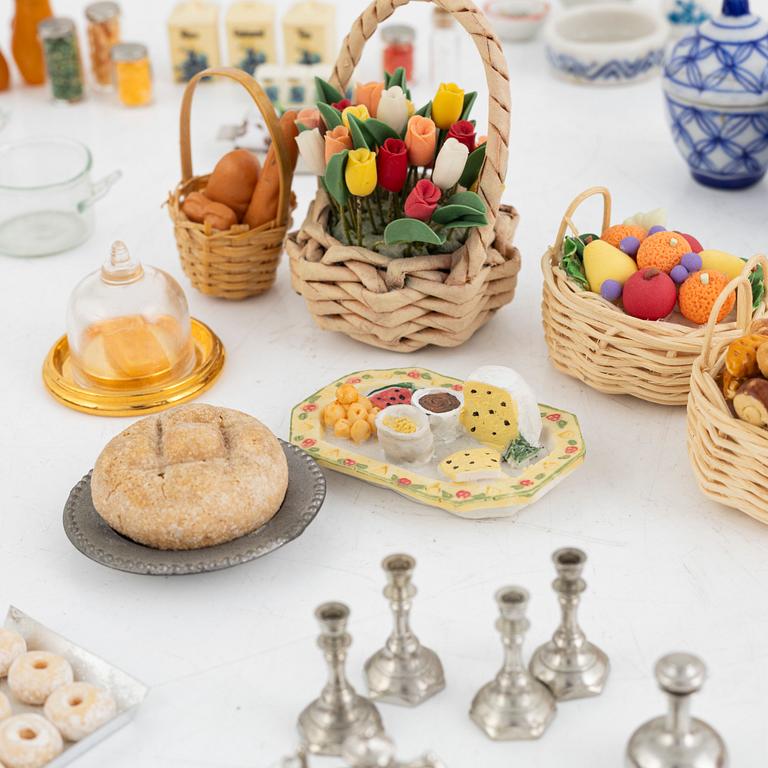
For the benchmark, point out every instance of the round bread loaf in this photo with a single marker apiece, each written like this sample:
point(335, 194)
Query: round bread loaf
point(192, 477)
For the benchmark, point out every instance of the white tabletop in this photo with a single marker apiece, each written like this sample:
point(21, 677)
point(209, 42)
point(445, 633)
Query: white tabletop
point(231, 656)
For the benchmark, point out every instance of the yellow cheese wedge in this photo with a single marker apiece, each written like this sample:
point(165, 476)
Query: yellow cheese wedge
point(472, 464)
point(604, 262)
point(489, 414)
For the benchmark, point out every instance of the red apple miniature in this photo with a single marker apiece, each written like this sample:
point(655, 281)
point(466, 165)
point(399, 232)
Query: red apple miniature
point(696, 246)
point(649, 294)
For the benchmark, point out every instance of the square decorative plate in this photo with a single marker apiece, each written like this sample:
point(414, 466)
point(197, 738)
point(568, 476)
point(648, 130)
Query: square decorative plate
point(478, 499)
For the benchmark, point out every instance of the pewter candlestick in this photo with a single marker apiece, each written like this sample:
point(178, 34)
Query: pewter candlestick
point(569, 665)
point(514, 705)
point(339, 711)
point(677, 740)
point(378, 751)
point(403, 671)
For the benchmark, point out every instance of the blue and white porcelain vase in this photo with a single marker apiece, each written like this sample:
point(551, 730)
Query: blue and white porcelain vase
point(716, 90)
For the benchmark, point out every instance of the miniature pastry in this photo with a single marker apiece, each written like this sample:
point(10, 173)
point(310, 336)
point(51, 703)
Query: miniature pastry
point(663, 250)
point(699, 293)
point(442, 407)
point(751, 402)
point(731, 266)
point(192, 477)
point(35, 675)
point(649, 294)
point(5, 706)
point(473, 464)
point(12, 645)
point(350, 415)
point(604, 262)
point(742, 361)
point(28, 741)
point(78, 709)
point(233, 181)
point(501, 411)
point(219, 216)
point(194, 206)
point(404, 434)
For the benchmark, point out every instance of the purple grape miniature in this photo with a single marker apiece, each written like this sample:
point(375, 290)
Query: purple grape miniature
point(655, 229)
point(679, 273)
point(692, 262)
point(610, 290)
point(630, 246)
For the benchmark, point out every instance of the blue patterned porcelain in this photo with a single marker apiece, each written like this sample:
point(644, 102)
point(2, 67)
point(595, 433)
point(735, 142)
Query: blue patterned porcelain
point(716, 91)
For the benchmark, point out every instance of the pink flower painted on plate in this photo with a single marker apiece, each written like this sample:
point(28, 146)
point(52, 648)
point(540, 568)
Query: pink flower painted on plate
point(554, 417)
point(309, 407)
point(463, 494)
point(403, 481)
point(349, 462)
point(414, 375)
point(525, 483)
point(572, 449)
point(354, 380)
point(308, 443)
point(458, 387)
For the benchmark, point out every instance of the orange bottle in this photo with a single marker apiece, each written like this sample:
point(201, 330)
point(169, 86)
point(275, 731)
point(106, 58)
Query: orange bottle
point(5, 75)
point(25, 45)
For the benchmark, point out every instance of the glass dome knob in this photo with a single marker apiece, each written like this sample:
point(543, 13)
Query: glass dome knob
point(121, 266)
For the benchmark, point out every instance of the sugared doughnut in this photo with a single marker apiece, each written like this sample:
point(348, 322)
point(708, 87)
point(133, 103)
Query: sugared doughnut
point(12, 645)
point(78, 709)
point(5, 707)
point(28, 741)
point(35, 675)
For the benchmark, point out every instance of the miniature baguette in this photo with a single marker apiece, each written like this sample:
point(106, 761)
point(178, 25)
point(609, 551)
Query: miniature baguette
point(263, 205)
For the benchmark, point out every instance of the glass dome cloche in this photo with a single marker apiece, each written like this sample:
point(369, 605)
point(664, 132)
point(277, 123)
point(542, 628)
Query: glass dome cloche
point(128, 326)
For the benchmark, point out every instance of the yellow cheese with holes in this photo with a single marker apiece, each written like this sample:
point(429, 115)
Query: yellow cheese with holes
point(472, 464)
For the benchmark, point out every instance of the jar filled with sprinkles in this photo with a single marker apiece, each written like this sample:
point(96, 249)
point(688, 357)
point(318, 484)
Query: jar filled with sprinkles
point(103, 32)
point(62, 58)
point(133, 74)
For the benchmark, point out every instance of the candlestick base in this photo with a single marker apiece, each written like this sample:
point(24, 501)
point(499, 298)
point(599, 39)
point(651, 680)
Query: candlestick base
point(324, 726)
point(405, 680)
point(571, 673)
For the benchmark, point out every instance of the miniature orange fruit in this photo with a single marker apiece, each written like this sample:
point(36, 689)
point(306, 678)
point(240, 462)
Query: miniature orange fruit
point(699, 293)
point(664, 250)
point(618, 232)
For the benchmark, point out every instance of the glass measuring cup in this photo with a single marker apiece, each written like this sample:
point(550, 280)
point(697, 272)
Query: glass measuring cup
point(47, 196)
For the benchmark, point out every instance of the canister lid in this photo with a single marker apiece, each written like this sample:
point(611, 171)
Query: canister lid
point(102, 11)
point(55, 27)
point(722, 63)
point(129, 52)
point(398, 34)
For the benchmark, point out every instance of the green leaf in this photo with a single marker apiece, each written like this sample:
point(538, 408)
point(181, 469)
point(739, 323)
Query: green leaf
point(520, 450)
point(445, 214)
point(398, 78)
point(301, 127)
point(425, 111)
point(378, 132)
point(357, 132)
point(757, 283)
point(469, 102)
point(326, 92)
point(331, 116)
point(334, 177)
point(476, 220)
point(572, 263)
point(411, 231)
point(469, 199)
point(473, 167)
point(387, 80)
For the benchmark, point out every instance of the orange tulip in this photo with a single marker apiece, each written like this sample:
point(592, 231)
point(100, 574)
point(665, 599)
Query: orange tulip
point(370, 95)
point(421, 141)
point(309, 118)
point(337, 141)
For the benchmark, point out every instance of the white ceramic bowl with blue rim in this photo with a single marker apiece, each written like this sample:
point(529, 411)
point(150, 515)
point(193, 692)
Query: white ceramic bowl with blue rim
point(716, 92)
point(606, 44)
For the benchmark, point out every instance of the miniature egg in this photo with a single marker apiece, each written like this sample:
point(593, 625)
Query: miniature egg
point(699, 293)
point(692, 262)
point(616, 234)
point(602, 262)
point(630, 246)
point(696, 246)
point(655, 229)
point(731, 266)
point(662, 250)
point(649, 294)
point(610, 290)
point(679, 274)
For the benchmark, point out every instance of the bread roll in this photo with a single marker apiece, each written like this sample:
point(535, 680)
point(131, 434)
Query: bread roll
point(233, 180)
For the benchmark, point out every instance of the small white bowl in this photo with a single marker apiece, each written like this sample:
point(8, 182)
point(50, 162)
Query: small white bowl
point(606, 44)
point(516, 20)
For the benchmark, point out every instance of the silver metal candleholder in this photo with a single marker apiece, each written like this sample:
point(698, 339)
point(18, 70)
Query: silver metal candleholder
point(403, 671)
point(339, 712)
point(677, 740)
point(514, 705)
point(569, 665)
point(378, 751)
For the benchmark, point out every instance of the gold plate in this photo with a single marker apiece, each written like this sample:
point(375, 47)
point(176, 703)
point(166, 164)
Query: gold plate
point(209, 360)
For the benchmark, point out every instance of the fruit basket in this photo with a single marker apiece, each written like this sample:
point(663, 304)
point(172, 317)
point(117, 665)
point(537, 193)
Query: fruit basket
point(595, 341)
point(439, 295)
point(729, 456)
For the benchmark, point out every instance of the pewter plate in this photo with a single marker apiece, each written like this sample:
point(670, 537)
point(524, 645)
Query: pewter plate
point(127, 691)
point(96, 540)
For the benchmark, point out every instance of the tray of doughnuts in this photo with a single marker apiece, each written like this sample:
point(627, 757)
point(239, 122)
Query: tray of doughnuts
point(57, 700)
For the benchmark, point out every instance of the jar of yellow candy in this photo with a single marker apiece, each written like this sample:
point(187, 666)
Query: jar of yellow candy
point(133, 74)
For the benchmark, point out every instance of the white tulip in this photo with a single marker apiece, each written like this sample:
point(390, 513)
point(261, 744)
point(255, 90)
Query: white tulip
point(393, 109)
point(450, 163)
point(312, 150)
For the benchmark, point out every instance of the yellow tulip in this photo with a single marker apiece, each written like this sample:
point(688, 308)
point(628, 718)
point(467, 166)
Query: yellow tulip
point(360, 173)
point(447, 105)
point(360, 112)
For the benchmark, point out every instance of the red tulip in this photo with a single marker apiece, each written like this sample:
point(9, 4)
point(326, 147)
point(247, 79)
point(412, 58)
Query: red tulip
point(463, 131)
point(342, 105)
point(392, 165)
point(422, 201)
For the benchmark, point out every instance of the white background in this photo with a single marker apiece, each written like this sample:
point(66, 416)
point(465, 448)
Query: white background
point(231, 656)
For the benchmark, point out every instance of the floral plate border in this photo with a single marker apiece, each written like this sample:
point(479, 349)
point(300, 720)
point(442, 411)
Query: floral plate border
point(479, 499)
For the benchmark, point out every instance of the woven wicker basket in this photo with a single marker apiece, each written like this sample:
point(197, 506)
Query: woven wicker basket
point(240, 262)
point(729, 456)
point(405, 304)
point(596, 342)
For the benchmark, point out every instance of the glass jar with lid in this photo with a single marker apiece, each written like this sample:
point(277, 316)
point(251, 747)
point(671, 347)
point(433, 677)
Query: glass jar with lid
point(397, 40)
point(62, 58)
point(133, 74)
point(128, 326)
point(103, 32)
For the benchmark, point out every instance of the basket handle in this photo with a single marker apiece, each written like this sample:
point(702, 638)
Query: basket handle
point(270, 118)
point(567, 222)
point(743, 288)
point(494, 171)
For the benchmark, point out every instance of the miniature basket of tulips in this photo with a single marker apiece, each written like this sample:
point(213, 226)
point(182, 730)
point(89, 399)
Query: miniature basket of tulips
point(728, 409)
point(594, 339)
point(406, 242)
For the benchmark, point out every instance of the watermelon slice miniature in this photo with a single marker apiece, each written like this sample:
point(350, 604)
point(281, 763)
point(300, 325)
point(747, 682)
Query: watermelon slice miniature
point(399, 394)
